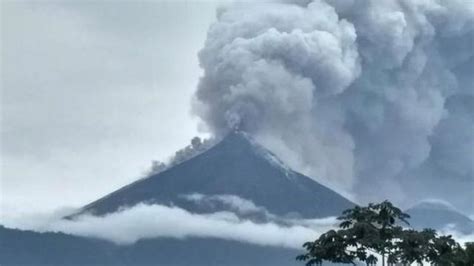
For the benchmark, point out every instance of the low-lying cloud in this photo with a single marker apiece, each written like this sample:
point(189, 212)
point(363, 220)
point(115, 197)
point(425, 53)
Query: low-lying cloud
point(233, 203)
point(151, 221)
point(145, 221)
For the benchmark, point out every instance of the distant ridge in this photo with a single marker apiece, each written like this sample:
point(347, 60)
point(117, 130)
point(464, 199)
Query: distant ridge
point(439, 216)
point(28, 248)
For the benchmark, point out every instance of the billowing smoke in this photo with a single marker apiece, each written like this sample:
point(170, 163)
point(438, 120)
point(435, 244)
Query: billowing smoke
point(371, 97)
point(196, 147)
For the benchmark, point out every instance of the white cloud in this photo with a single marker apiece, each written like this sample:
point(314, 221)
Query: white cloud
point(150, 221)
point(233, 202)
point(145, 221)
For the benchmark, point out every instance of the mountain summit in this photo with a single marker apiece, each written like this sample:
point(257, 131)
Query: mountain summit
point(236, 166)
point(439, 216)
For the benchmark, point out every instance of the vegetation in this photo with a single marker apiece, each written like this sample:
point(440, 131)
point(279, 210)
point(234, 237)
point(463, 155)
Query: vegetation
point(367, 234)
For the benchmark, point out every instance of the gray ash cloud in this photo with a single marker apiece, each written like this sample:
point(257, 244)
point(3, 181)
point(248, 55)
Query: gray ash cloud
point(372, 97)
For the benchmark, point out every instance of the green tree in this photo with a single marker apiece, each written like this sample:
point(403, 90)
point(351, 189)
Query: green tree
point(469, 253)
point(413, 246)
point(375, 229)
point(329, 246)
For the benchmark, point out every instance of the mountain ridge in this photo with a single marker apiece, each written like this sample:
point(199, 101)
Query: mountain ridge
point(237, 165)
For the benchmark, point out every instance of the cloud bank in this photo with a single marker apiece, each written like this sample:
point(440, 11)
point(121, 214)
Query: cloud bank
point(350, 92)
point(232, 222)
point(151, 221)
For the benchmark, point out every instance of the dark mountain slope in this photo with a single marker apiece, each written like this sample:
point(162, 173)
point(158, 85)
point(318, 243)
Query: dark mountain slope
point(57, 249)
point(235, 166)
point(31, 248)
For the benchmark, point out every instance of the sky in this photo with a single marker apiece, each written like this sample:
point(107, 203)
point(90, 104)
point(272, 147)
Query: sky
point(91, 92)
point(348, 92)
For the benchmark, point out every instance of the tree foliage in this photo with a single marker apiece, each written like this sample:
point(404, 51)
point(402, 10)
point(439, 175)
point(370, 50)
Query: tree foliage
point(376, 229)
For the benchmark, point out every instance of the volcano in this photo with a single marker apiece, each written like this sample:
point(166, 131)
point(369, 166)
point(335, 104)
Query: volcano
point(439, 216)
point(236, 166)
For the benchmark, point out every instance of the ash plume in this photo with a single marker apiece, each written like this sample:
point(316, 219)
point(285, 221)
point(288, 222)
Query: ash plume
point(371, 97)
point(196, 147)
